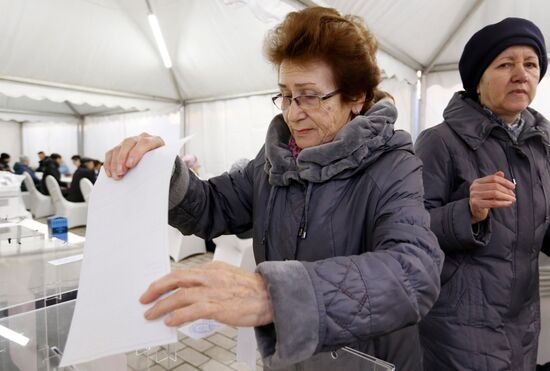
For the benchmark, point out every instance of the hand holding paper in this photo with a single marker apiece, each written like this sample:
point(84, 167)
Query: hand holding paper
point(129, 153)
point(216, 291)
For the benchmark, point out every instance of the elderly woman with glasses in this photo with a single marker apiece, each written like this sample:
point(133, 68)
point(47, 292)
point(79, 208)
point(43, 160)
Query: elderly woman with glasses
point(487, 179)
point(335, 200)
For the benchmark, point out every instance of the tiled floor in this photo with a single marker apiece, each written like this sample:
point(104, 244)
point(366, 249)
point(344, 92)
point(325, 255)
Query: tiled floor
point(214, 353)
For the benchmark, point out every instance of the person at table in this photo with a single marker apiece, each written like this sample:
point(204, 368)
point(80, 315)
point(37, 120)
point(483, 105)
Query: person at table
point(64, 169)
point(5, 159)
point(51, 167)
point(77, 161)
point(22, 167)
point(85, 170)
point(41, 161)
point(97, 167)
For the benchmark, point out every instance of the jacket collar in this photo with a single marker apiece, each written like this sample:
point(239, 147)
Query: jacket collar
point(358, 143)
point(474, 125)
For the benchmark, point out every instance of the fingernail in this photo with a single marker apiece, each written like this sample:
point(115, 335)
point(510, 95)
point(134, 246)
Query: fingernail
point(130, 162)
point(169, 321)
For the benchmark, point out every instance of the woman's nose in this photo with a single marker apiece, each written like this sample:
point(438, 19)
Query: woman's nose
point(294, 111)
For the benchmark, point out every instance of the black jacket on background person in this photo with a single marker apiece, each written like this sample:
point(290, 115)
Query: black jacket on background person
point(42, 164)
point(75, 195)
point(487, 316)
point(51, 168)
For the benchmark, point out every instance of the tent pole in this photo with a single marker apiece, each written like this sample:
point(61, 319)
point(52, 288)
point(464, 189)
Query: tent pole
point(21, 152)
point(422, 104)
point(79, 128)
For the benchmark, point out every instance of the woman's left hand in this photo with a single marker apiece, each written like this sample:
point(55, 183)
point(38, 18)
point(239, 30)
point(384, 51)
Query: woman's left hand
point(216, 291)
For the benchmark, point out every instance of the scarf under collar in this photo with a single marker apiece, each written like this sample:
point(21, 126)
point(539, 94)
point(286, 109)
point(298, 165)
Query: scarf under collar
point(352, 147)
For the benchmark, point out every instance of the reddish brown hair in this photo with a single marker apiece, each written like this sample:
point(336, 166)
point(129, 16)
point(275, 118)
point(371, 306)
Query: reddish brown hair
point(343, 42)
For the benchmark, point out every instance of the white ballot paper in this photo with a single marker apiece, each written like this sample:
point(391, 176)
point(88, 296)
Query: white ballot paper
point(126, 249)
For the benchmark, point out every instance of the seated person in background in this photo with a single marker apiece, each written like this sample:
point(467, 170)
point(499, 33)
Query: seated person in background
point(42, 158)
point(76, 161)
point(23, 167)
point(97, 166)
point(51, 167)
point(86, 170)
point(5, 162)
point(64, 169)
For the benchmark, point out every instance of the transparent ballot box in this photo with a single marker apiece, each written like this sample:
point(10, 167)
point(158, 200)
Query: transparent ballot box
point(27, 236)
point(35, 341)
point(17, 239)
point(35, 270)
point(31, 281)
point(15, 234)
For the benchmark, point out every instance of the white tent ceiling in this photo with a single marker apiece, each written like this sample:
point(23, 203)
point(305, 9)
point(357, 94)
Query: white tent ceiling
point(100, 55)
point(424, 33)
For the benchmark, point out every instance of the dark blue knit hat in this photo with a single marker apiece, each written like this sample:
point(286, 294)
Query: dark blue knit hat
point(486, 44)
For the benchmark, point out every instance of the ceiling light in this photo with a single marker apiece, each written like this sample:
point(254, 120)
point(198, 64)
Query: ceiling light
point(159, 39)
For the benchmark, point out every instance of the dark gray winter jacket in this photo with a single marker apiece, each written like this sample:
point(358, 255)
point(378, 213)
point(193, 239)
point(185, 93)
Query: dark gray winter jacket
point(341, 235)
point(487, 316)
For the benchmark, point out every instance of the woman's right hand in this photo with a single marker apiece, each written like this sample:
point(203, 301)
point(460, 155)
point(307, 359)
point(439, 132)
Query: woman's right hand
point(493, 191)
point(120, 159)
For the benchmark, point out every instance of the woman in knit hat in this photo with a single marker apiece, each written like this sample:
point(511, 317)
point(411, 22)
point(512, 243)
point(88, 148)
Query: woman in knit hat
point(487, 187)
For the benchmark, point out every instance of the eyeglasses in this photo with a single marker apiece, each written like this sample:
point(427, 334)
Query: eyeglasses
point(305, 102)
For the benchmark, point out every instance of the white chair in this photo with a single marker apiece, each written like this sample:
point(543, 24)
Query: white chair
point(182, 246)
point(86, 188)
point(235, 251)
point(75, 212)
point(41, 205)
point(26, 197)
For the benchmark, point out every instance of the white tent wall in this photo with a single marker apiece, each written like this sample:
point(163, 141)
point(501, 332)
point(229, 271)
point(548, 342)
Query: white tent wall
point(58, 137)
point(403, 93)
point(227, 130)
point(104, 132)
point(10, 140)
point(442, 85)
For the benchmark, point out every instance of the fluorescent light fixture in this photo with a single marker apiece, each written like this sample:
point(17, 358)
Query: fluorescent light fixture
point(159, 39)
point(13, 336)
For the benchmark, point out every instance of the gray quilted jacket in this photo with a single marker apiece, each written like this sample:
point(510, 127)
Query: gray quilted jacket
point(487, 316)
point(341, 235)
